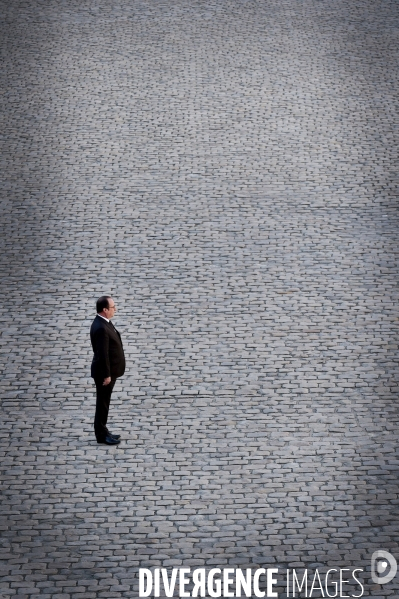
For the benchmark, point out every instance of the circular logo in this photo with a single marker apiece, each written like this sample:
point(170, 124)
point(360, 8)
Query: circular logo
point(383, 567)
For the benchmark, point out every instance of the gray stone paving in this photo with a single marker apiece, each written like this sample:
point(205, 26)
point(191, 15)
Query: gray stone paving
point(228, 171)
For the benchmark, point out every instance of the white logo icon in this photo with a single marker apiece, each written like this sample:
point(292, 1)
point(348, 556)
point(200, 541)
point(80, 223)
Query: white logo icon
point(380, 573)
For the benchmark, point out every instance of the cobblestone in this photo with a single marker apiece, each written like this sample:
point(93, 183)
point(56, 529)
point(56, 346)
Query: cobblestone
point(228, 171)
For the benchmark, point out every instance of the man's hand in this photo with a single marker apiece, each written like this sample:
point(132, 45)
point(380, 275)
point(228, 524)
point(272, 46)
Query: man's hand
point(107, 381)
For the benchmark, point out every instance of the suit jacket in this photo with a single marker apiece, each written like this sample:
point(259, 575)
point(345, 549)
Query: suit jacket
point(109, 358)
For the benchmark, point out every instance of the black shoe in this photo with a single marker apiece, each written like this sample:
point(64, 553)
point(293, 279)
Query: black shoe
point(117, 437)
point(108, 440)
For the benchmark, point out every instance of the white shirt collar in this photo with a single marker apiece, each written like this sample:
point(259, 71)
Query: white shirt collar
point(103, 317)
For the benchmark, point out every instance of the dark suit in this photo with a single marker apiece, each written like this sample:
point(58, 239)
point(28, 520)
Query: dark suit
point(108, 361)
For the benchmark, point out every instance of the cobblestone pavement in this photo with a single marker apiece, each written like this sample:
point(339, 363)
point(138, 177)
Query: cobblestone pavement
point(227, 170)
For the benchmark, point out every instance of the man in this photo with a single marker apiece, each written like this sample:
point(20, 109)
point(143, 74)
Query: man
point(108, 364)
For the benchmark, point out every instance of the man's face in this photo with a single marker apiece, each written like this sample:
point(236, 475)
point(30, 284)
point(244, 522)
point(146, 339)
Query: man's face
point(110, 311)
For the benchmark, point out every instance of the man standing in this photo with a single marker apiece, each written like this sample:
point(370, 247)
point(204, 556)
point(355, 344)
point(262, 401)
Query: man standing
point(108, 364)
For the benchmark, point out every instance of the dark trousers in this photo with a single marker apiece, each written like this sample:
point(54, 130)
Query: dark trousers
point(102, 406)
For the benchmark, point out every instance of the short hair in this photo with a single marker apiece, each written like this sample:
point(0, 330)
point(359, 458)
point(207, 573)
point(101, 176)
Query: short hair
point(102, 303)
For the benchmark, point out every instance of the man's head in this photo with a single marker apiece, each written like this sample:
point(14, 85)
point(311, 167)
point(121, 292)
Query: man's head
point(106, 306)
